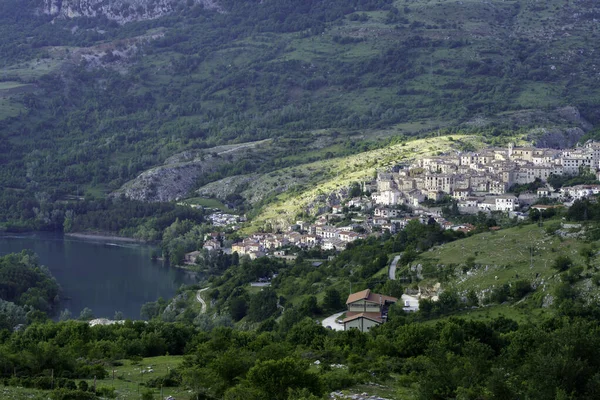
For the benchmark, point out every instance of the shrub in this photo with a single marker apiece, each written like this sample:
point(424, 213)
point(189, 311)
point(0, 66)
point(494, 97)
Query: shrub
point(65, 394)
point(520, 288)
point(562, 263)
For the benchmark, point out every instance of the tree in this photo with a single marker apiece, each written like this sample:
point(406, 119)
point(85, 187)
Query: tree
point(277, 378)
point(310, 306)
point(86, 314)
point(148, 395)
point(588, 253)
point(238, 308)
point(448, 301)
point(472, 299)
point(520, 288)
point(355, 190)
point(118, 316)
point(262, 305)
point(150, 310)
point(392, 288)
point(65, 315)
point(332, 300)
point(83, 386)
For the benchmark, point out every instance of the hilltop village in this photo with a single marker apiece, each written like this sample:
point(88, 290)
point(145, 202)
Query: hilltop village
point(481, 181)
point(473, 181)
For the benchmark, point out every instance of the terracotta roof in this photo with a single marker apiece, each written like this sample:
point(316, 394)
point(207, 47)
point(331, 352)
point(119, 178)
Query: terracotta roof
point(368, 296)
point(373, 316)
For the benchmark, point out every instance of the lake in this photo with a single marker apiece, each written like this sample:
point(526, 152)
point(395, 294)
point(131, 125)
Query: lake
point(102, 275)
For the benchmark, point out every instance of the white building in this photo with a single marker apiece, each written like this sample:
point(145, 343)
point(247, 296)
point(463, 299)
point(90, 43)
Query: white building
point(506, 203)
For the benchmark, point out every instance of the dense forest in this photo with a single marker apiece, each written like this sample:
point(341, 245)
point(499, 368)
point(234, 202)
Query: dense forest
point(28, 291)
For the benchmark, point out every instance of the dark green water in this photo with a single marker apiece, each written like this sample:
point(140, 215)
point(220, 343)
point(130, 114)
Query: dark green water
point(104, 276)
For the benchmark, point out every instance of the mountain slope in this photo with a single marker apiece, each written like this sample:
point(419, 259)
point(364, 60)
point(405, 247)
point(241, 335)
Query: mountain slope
point(107, 101)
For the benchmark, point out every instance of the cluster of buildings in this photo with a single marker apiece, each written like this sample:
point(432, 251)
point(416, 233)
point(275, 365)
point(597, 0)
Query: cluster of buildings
point(480, 181)
point(477, 181)
point(303, 235)
point(223, 219)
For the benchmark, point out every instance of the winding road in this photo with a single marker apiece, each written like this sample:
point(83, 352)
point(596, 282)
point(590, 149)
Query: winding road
point(201, 300)
point(393, 266)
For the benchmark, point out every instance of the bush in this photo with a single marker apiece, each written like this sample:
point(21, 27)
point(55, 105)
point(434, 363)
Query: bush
point(43, 382)
point(172, 379)
point(562, 263)
point(66, 394)
point(519, 289)
point(107, 392)
point(337, 379)
point(148, 395)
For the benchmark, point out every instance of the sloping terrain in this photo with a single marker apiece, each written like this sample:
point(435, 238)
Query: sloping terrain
point(112, 100)
point(486, 262)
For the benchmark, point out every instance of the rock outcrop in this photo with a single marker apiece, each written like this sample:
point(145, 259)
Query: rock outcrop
point(120, 11)
point(179, 174)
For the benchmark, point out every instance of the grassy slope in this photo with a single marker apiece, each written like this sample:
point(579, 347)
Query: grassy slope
point(328, 176)
point(506, 253)
point(503, 257)
point(128, 382)
point(127, 377)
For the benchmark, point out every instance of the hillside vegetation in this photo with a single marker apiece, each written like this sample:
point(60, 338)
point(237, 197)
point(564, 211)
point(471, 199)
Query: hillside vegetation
point(103, 102)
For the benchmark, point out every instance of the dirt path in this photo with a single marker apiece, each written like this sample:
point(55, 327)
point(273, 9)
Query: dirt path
point(393, 266)
point(201, 300)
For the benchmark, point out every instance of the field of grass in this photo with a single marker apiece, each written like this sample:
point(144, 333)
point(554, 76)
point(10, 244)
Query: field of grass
point(128, 381)
point(9, 109)
point(33, 69)
point(10, 85)
point(130, 377)
point(522, 313)
point(523, 252)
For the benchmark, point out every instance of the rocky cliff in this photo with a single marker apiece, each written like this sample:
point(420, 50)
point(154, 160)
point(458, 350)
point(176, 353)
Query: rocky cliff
point(119, 10)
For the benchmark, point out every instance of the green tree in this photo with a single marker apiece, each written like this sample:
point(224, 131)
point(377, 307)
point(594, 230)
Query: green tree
point(150, 310)
point(310, 306)
point(262, 305)
point(238, 308)
point(65, 315)
point(332, 300)
point(86, 314)
point(562, 263)
point(276, 378)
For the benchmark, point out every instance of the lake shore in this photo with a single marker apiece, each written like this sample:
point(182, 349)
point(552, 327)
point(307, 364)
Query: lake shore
point(103, 237)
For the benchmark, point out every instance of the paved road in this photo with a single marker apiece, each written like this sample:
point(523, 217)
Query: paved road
point(330, 322)
point(201, 300)
point(393, 267)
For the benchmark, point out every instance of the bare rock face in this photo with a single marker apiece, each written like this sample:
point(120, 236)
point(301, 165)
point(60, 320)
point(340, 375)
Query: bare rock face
point(121, 11)
point(179, 174)
point(164, 183)
point(559, 138)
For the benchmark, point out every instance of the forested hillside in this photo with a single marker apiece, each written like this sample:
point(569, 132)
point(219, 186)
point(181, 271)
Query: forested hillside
point(86, 104)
